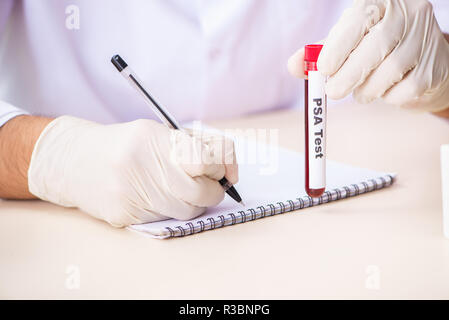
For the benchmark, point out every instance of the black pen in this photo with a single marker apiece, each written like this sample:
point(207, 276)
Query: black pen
point(163, 114)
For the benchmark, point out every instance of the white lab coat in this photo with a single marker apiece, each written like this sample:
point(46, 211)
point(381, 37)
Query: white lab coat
point(201, 59)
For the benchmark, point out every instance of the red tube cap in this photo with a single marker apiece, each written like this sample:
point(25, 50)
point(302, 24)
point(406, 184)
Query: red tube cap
point(312, 51)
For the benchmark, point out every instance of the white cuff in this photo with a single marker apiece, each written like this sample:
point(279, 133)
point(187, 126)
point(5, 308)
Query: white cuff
point(8, 111)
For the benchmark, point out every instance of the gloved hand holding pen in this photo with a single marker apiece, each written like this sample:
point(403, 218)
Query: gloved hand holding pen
point(393, 50)
point(129, 173)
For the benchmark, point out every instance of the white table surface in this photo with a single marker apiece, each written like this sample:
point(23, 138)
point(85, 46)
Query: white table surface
point(385, 244)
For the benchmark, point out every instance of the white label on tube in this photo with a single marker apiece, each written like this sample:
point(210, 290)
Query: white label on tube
point(317, 131)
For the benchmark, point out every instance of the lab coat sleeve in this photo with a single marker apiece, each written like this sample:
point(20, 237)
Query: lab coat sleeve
point(7, 112)
point(5, 10)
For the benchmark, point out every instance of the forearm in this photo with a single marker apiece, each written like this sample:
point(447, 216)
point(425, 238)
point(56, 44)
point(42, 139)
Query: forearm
point(443, 114)
point(17, 139)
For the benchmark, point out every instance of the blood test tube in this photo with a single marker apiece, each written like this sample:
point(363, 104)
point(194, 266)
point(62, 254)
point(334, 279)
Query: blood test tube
point(315, 107)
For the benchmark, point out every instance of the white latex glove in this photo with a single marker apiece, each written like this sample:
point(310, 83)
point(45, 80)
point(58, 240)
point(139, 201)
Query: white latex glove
point(388, 49)
point(129, 173)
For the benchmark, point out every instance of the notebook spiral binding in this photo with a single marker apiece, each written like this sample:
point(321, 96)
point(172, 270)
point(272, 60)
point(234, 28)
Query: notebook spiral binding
point(272, 209)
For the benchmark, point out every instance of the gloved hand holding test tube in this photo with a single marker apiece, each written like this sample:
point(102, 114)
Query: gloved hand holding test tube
point(393, 51)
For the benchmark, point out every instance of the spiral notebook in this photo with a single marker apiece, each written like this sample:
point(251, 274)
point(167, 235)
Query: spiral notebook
point(271, 183)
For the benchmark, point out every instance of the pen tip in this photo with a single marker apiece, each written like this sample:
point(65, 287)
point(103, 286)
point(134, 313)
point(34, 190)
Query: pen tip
point(242, 203)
